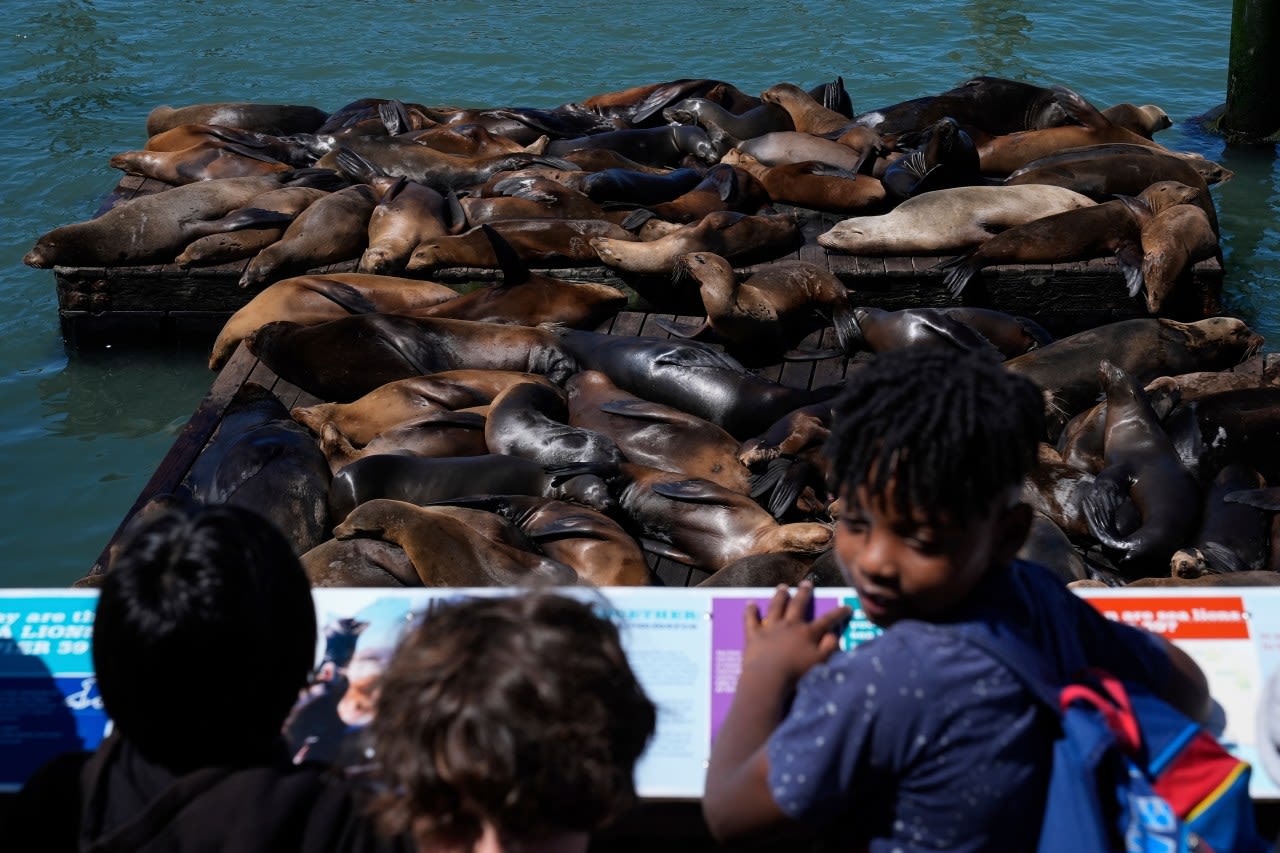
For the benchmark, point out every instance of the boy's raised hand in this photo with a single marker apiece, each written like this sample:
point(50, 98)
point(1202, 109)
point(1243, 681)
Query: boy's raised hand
point(785, 642)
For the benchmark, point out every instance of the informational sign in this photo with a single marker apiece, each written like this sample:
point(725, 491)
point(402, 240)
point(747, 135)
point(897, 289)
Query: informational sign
point(685, 645)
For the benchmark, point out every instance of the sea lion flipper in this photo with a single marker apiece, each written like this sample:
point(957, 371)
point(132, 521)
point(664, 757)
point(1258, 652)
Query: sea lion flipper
point(514, 269)
point(1078, 109)
point(527, 188)
point(1129, 257)
point(457, 214)
point(1101, 503)
point(1267, 499)
point(341, 294)
point(811, 354)
point(701, 332)
point(394, 117)
point(954, 332)
point(638, 409)
point(637, 218)
point(1222, 558)
point(357, 165)
point(254, 217)
point(690, 491)
point(663, 549)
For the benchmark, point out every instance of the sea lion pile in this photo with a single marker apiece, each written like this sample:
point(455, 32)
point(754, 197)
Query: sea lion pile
point(492, 436)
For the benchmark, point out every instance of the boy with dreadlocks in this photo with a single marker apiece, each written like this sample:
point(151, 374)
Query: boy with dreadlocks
point(919, 739)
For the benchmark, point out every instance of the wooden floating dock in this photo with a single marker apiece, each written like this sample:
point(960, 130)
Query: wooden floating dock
point(165, 302)
point(244, 367)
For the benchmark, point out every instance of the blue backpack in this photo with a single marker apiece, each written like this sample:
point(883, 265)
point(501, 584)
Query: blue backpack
point(1130, 772)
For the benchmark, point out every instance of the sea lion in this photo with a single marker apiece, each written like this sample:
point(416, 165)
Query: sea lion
point(203, 162)
point(1047, 545)
point(470, 140)
point(346, 358)
point(423, 480)
point(807, 114)
point(1254, 372)
point(1145, 347)
point(1262, 578)
point(668, 145)
point(403, 400)
point(1056, 491)
point(637, 105)
point(311, 299)
point(790, 146)
point(812, 185)
point(531, 421)
point(995, 105)
point(1142, 466)
point(407, 213)
point(1173, 241)
point(260, 459)
point(534, 299)
point(1211, 171)
point(654, 434)
point(398, 158)
point(275, 119)
point(761, 570)
point(546, 242)
point(639, 188)
point(796, 432)
point(1108, 229)
point(154, 228)
point(724, 188)
point(693, 377)
point(1144, 120)
point(713, 117)
point(1232, 537)
point(592, 544)
point(1082, 441)
point(334, 228)
point(249, 230)
point(697, 523)
point(1241, 426)
point(946, 157)
point(527, 197)
point(977, 329)
point(448, 551)
point(358, 562)
point(760, 319)
point(724, 232)
point(436, 434)
point(948, 220)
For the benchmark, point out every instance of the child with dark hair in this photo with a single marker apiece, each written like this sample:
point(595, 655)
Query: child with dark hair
point(204, 634)
point(918, 739)
point(509, 722)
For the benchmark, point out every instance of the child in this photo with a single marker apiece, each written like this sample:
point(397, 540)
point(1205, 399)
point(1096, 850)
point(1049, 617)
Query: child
point(204, 634)
point(918, 739)
point(512, 722)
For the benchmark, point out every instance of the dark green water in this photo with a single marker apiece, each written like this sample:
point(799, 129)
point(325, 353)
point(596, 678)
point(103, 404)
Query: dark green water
point(80, 434)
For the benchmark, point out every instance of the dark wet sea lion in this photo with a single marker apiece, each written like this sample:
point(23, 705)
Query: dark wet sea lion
point(813, 185)
point(403, 400)
point(470, 140)
point(1147, 348)
point(711, 116)
point(734, 235)
point(699, 523)
point(799, 430)
point(655, 434)
point(1142, 466)
point(260, 459)
point(249, 230)
point(1049, 546)
point(760, 319)
point(723, 188)
point(1232, 537)
point(436, 434)
point(761, 570)
point(637, 105)
point(1173, 241)
point(1240, 426)
point(948, 220)
point(592, 544)
point(658, 146)
point(423, 480)
point(311, 299)
point(440, 171)
point(965, 327)
point(993, 104)
point(154, 228)
point(1082, 441)
point(531, 421)
point(1108, 229)
point(639, 188)
point(406, 214)
point(543, 242)
point(331, 229)
point(446, 550)
point(275, 119)
point(344, 359)
point(946, 157)
point(1056, 490)
point(358, 562)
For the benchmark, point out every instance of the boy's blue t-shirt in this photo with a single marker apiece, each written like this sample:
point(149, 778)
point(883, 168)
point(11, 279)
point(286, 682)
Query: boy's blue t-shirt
point(918, 740)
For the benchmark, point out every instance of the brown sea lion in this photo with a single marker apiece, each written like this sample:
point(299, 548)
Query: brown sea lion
point(807, 114)
point(311, 299)
point(344, 359)
point(802, 429)
point(696, 522)
point(275, 119)
point(1212, 172)
point(713, 117)
point(437, 434)
point(723, 188)
point(1173, 241)
point(403, 400)
point(531, 420)
point(1254, 372)
point(358, 562)
point(542, 242)
point(760, 319)
point(334, 228)
point(693, 377)
point(1142, 466)
point(654, 434)
point(528, 197)
point(424, 480)
point(203, 162)
point(592, 544)
point(1262, 578)
point(1081, 443)
point(734, 235)
point(535, 299)
point(966, 327)
point(358, 156)
point(637, 105)
point(1146, 120)
point(948, 220)
point(249, 230)
point(446, 550)
point(407, 213)
point(1146, 348)
point(790, 146)
point(154, 228)
point(470, 140)
point(1111, 228)
point(1232, 537)
point(813, 185)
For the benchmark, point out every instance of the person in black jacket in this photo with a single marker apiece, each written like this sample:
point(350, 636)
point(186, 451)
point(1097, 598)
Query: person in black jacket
point(204, 635)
